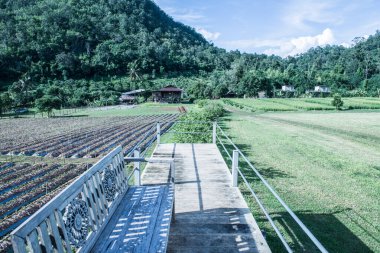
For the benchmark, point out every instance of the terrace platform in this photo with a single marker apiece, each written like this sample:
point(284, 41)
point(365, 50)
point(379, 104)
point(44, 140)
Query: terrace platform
point(210, 215)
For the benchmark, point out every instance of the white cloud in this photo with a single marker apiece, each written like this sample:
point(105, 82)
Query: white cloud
point(346, 45)
point(283, 47)
point(184, 15)
point(300, 14)
point(207, 34)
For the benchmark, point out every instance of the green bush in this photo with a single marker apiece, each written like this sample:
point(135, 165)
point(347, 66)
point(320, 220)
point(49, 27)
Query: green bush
point(201, 103)
point(337, 101)
point(198, 122)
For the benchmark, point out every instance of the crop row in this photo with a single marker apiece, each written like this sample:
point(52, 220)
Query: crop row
point(91, 142)
point(293, 104)
point(14, 220)
point(31, 197)
point(52, 181)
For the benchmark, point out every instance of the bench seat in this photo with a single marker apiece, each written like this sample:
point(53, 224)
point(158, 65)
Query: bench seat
point(141, 222)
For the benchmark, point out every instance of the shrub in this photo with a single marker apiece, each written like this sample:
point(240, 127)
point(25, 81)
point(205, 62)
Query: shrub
point(210, 112)
point(337, 101)
point(201, 103)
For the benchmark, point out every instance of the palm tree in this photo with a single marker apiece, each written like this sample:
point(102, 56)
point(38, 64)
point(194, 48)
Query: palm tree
point(133, 71)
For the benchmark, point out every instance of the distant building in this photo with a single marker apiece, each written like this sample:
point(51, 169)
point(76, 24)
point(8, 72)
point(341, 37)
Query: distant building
point(230, 94)
point(322, 89)
point(131, 96)
point(168, 94)
point(262, 94)
point(286, 91)
point(288, 88)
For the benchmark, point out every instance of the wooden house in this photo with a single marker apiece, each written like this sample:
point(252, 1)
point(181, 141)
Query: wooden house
point(131, 96)
point(168, 94)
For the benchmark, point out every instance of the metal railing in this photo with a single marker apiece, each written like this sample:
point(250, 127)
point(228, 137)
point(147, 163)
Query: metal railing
point(235, 171)
point(217, 139)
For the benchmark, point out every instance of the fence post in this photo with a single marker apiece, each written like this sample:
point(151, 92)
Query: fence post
point(214, 133)
point(137, 175)
point(158, 133)
point(235, 164)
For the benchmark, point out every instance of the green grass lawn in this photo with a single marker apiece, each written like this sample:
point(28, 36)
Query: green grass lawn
point(325, 165)
point(297, 104)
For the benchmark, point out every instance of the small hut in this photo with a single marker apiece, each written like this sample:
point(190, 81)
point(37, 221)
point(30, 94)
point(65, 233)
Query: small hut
point(288, 88)
point(262, 94)
point(168, 94)
point(131, 96)
point(322, 89)
point(285, 91)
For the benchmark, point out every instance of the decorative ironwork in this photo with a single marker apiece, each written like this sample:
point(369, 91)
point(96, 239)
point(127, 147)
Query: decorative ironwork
point(76, 221)
point(109, 184)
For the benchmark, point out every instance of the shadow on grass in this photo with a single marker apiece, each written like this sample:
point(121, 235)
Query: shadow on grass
point(267, 172)
point(326, 227)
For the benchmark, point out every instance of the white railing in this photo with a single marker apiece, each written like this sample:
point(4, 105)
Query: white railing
point(216, 139)
point(74, 219)
point(235, 171)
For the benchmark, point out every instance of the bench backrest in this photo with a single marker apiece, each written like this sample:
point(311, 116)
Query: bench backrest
point(74, 219)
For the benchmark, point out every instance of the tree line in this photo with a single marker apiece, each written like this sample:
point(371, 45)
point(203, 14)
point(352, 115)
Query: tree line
point(77, 52)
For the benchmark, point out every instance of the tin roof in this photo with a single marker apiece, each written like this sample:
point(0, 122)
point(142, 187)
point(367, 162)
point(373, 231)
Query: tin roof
point(133, 92)
point(171, 88)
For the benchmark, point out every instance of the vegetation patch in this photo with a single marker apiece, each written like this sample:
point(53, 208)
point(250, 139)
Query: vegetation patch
point(324, 165)
point(196, 125)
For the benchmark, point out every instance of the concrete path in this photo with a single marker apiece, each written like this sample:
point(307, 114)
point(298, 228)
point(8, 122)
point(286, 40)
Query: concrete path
point(210, 215)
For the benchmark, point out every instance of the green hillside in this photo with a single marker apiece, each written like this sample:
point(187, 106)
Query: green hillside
point(81, 52)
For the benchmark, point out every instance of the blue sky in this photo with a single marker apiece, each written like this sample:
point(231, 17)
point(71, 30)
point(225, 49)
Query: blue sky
point(281, 27)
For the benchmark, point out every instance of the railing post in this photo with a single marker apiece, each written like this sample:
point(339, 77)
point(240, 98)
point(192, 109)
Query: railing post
point(214, 133)
point(137, 175)
point(158, 133)
point(172, 166)
point(235, 164)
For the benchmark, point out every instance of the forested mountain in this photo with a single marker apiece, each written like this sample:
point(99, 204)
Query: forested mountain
point(86, 51)
point(83, 38)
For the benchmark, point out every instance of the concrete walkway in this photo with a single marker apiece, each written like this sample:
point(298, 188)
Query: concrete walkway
point(210, 215)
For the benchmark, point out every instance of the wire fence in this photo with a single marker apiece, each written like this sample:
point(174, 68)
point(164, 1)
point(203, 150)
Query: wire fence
point(223, 135)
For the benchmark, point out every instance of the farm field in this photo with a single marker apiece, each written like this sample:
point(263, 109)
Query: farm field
point(40, 156)
point(138, 110)
point(77, 137)
point(297, 104)
point(24, 188)
point(325, 165)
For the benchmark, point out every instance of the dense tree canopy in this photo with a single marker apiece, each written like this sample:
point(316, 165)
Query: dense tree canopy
point(85, 51)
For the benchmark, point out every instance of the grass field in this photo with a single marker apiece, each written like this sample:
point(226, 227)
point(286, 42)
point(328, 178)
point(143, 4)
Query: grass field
point(296, 104)
point(325, 165)
point(143, 109)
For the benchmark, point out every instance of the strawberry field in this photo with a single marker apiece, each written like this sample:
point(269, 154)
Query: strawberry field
point(74, 138)
point(27, 186)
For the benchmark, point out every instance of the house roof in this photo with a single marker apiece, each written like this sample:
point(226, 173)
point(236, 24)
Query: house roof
point(127, 97)
point(132, 92)
point(171, 88)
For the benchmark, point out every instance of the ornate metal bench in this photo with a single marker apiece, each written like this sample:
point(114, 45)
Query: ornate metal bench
point(90, 208)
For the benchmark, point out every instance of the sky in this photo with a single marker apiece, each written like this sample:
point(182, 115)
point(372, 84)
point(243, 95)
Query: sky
point(279, 27)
